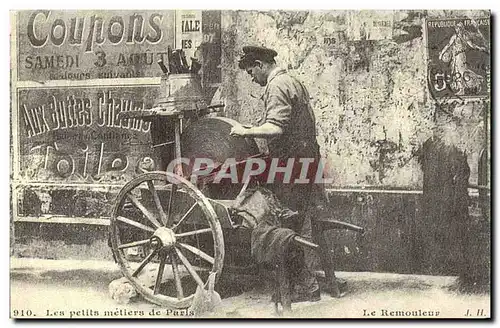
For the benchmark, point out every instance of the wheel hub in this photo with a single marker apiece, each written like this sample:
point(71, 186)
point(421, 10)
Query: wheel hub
point(163, 237)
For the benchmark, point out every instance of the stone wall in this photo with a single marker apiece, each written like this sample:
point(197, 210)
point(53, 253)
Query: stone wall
point(368, 86)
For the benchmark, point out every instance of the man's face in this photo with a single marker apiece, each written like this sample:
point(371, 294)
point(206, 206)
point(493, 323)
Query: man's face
point(258, 74)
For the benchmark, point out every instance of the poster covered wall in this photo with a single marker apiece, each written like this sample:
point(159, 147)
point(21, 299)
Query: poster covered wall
point(73, 72)
point(78, 45)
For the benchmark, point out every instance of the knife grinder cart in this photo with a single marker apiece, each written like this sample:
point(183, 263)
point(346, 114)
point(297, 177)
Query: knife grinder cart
point(175, 230)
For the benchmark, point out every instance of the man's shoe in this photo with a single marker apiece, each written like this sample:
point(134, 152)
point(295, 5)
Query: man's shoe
point(314, 296)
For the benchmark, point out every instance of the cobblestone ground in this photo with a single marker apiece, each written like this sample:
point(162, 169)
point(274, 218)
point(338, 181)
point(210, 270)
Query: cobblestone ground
point(80, 289)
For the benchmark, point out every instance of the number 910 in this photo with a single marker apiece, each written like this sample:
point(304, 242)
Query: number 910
point(22, 313)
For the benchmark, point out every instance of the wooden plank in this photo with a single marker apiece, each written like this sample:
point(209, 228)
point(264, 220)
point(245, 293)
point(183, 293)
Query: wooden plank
point(66, 185)
point(118, 82)
point(373, 191)
point(63, 220)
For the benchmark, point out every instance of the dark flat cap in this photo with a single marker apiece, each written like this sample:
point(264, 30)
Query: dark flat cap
point(253, 53)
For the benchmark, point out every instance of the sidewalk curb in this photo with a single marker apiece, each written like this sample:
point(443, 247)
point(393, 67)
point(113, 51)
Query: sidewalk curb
point(93, 269)
point(83, 270)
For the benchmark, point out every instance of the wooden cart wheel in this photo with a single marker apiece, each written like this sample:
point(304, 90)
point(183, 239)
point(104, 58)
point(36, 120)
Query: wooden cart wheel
point(157, 229)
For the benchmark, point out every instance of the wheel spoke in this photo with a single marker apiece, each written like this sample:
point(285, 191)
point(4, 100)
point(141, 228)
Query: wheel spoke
point(144, 210)
point(156, 199)
point(144, 262)
point(185, 216)
point(159, 277)
point(177, 276)
point(134, 223)
point(192, 233)
point(198, 252)
point(190, 268)
point(133, 244)
point(171, 203)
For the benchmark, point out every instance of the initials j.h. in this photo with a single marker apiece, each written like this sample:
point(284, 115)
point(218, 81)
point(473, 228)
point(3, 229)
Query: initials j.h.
point(478, 313)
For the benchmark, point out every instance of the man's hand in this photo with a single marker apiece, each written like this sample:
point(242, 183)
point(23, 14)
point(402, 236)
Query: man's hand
point(239, 131)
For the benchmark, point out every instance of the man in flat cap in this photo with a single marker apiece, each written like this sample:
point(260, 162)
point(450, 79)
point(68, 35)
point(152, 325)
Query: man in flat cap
point(289, 128)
